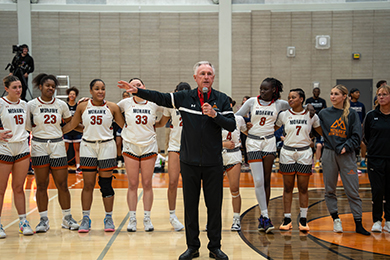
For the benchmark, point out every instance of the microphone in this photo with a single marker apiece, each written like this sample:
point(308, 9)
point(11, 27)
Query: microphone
point(205, 90)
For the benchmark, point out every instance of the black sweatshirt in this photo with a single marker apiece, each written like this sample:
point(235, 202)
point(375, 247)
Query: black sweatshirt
point(376, 129)
point(201, 137)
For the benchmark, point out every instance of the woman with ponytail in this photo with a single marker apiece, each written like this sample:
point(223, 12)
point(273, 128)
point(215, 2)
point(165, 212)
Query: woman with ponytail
point(261, 144)
point(342, 133)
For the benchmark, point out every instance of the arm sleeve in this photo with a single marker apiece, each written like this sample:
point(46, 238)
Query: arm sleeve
point(355, 132)
point(244, 110)
point(242, 124)
point(65, 110)
point(162, 99)
point(226, 118)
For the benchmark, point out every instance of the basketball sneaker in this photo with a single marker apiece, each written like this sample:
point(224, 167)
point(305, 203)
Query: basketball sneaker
point(337, 227)
point(377, 227)
point(363, 164)
point(176, 224)
point(2, 232)
point(286, 225)
point(317, 165)
point(260, 227)
point(148, 224)
point(109, 224)
point(25, 229)
point(132, 226)
point(69, 223)
point(43, 225)
point(236, 226)
point(85, 225)
point(387, 226)
point(268, 227)
point(303, 226)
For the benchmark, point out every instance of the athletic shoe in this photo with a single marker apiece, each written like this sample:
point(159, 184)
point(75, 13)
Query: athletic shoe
point(363, 164)
point(85, 225)
point(286, 225)
point(377, 227)
point(337, 227)
point(69, 223)
point(43, 225)
point(25, 229)
point(387, 226)
point(317, 165)
point(236, 226)
point(303, 226)
point(78, 171)
point(148, 226)
point(2, 232)
point(260, 227)
point(268, 227)
point(132, 227)
point(109, 224)
point(176, 224)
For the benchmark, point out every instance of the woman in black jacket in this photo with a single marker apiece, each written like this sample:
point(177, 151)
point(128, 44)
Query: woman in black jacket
point(376, 127)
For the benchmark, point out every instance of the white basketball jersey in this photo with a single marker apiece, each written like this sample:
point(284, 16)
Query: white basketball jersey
point(140, 120)
point(297, 127)
point(177, 124)
point(46, 117)
point(264, 115)
point(97, 121)
point(235, 135)
point(13, 117)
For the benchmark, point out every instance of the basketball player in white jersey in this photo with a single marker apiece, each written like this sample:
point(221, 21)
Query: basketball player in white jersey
point(139, 151)
point(97, 151)
point(174, 155)
point(48, 152)
point(296, 155)
point(14, 150)
point(232, 159)
point(261, 143)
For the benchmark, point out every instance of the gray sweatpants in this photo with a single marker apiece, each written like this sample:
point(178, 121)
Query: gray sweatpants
point(345, 163)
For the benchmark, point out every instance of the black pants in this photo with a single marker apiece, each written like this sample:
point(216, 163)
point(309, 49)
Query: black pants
point(212, 177)
point(379, 174)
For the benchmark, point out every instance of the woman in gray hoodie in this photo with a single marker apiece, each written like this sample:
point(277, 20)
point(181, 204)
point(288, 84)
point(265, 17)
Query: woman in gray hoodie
point(342, 133)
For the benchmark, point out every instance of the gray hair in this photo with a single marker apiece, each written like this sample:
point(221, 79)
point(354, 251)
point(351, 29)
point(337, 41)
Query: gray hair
point(198, 64)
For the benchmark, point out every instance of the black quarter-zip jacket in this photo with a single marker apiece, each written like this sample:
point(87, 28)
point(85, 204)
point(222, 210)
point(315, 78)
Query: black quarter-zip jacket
point(201, 138)
point(376, 128)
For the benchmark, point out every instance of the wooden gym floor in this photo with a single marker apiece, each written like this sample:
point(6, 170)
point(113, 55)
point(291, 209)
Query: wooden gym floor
point(165, 243)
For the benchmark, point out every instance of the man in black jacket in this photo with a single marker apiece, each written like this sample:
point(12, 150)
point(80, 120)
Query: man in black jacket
point(22, 65)
point(200, 152)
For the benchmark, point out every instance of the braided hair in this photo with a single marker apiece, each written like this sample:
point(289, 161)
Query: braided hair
point(275, 83)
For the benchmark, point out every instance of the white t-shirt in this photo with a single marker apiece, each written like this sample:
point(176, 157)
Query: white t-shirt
point(140, 120)
point(97, 121)
point(13, 117)
point(297, 127)
point(263, 114)
point(44, 118)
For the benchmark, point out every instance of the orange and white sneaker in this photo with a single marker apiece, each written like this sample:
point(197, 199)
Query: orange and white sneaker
point(317, 165)
point(286, 225)
point(303, 226)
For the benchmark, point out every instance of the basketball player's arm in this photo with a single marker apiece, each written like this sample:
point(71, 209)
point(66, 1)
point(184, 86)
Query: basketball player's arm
point(74, 122)
point(318, 130)
point(162, 122)
point(4, 136)
point(228, 144)
point(116, 112)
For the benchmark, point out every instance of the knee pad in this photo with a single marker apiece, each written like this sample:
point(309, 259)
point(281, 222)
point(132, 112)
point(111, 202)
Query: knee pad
point(106, 187)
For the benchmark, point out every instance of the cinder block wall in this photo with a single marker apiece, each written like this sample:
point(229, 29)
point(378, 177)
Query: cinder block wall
point(161, 48)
